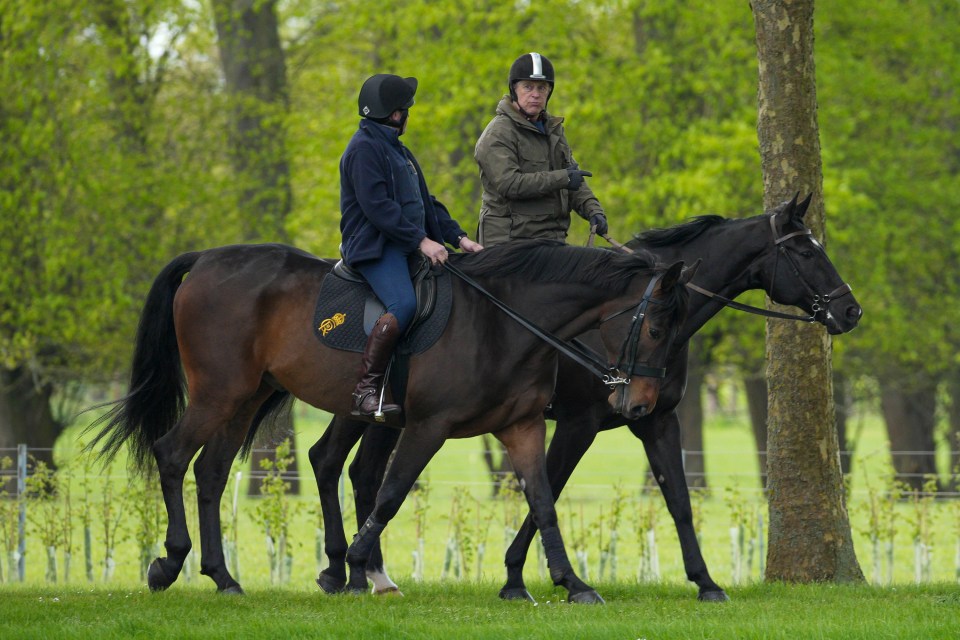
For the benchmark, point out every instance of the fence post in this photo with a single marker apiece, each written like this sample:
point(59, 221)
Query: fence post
point(21, 499)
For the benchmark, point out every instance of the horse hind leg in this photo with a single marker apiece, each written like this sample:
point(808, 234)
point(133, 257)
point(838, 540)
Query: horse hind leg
point(173, 453)
point(212, 470)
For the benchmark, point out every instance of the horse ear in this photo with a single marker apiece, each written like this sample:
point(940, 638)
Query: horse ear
point(802, 207)
point(690, 271)
point(671, 276)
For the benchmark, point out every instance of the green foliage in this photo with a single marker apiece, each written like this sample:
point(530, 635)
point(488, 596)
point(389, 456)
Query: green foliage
point(114, 130)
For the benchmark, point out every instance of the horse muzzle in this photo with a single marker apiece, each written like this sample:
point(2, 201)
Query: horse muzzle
point(842, 317)
point(636, 399)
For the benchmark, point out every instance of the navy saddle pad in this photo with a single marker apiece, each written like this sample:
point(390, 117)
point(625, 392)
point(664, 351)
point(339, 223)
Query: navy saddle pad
point(347, 310)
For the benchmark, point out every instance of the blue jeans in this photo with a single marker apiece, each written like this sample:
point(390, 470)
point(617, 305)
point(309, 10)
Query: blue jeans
point(389, 277)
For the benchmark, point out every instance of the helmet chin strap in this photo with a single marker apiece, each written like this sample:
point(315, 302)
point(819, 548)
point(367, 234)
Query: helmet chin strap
point(531, 117)
point(400, 124)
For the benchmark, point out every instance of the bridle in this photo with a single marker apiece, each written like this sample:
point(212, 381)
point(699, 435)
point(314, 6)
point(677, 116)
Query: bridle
point(576, 350)
point(820, 301)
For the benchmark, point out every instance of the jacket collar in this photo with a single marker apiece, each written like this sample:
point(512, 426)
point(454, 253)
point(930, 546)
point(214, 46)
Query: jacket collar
point(505, 107)
point(390, 135)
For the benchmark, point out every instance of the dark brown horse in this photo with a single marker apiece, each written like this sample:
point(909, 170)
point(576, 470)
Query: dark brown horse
point(773, 252)
point(240, 324)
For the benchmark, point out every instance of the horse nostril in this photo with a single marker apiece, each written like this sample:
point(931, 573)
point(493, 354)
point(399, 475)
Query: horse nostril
point(854, 312)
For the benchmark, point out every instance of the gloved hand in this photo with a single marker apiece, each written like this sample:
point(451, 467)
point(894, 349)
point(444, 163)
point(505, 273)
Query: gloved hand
point(600, 221)
point(576, 176)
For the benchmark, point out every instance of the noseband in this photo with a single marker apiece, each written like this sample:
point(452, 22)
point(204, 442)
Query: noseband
point(820, 302)
point(628, 352)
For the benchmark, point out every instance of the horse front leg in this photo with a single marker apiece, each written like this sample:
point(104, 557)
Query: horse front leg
point(666, 463)
point(366, 476)
point(572, 438)
point(524, 442)
point(327, 458)
point(417, 445)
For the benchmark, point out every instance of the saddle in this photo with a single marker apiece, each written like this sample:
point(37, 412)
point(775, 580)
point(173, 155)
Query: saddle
point(347, 309)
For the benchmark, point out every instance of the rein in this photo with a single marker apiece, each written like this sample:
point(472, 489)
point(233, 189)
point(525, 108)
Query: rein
point(575, 349)
point(842, 290)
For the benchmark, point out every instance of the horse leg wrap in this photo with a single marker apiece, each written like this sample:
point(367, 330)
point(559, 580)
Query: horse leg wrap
point(557, 560)
point(365, 539)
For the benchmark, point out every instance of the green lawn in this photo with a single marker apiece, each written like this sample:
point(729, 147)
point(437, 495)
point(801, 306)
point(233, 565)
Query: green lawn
point(445, 611)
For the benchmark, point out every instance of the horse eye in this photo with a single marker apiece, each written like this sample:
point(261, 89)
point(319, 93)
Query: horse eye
point(807, 253)
point(655, 333)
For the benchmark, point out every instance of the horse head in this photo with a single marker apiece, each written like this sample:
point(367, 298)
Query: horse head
point(803, 275)
point(650, 331)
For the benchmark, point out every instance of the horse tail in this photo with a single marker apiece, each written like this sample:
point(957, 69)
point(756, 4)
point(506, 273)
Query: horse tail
point(274, 414)
point(157, 395)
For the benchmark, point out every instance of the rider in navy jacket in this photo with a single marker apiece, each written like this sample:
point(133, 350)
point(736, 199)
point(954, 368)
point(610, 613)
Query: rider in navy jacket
point(387, 217)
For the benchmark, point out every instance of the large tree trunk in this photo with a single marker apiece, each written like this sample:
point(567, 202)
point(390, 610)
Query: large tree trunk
point(910, 416)
point(809, 534)
point(254, 69)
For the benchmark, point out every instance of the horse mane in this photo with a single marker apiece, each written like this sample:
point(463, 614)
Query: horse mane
point(680, 233)
point(554, 261)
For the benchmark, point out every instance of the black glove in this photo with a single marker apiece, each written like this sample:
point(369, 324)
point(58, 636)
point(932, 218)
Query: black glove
point(576, 176)
point(600, 221)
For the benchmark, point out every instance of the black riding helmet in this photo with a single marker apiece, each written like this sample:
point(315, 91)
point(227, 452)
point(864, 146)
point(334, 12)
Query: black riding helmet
point(384, 93)
point(530, 66)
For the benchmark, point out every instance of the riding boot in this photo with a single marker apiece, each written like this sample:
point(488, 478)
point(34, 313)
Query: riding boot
point(366, 397)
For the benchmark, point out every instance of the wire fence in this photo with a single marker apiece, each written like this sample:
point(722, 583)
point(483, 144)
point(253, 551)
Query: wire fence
point(606, 522)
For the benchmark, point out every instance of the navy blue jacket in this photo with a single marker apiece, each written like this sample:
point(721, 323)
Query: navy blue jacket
point(370, 212)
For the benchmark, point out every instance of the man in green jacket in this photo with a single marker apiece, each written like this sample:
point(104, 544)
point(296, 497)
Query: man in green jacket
point(530, 180)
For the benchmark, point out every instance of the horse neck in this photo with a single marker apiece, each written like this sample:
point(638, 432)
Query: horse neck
point(729, 253)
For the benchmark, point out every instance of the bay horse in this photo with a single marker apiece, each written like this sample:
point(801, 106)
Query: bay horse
point(240, 326)
point(774, 252)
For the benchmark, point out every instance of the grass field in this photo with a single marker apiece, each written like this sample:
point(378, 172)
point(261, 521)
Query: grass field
point(461, 611)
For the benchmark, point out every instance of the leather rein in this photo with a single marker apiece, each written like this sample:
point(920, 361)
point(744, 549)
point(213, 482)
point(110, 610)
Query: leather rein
point(577, 350)
point(820, 302)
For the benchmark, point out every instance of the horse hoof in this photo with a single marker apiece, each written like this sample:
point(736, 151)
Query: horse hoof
point(587, 597)
point(232, 590)
point(516, 593)
point(713, 596)
point(157, 578)
point(331, 585)
point(389, 591)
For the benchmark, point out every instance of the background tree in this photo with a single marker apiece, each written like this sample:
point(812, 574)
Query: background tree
point(809, 534)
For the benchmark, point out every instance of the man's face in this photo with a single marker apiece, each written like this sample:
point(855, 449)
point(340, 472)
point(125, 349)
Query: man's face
point(532, 95)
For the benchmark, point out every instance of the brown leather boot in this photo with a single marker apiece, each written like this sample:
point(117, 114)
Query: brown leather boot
point(366, 397)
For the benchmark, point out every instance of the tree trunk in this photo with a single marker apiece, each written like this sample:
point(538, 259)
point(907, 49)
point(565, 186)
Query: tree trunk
point(809, 533)
point(842, 408)
point(910, 416)
point(254, 69)
point(25, 415)
point(756, 387)
point(690, 413)
point(953, 434)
